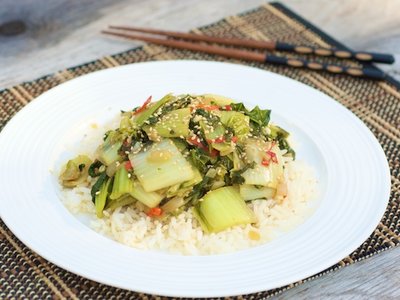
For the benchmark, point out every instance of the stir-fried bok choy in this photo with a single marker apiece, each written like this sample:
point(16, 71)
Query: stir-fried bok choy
point(204, 153)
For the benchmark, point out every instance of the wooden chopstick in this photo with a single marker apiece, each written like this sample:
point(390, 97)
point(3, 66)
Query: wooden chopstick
point(368, 72)
point(268, 45)
point(228, 52)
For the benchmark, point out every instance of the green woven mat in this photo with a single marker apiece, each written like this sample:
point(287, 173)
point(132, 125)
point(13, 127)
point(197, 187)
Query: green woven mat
point(24, 274)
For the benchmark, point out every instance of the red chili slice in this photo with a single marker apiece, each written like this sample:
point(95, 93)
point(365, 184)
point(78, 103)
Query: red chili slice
point(265, 162)
point(155, 212)
point(126, 143)
point(220, 139)
point(234, 139)
point(273, 156)
point(128, 165)
point(228, 107)
point(143, 107)
point(213, 153)
point(195, 142)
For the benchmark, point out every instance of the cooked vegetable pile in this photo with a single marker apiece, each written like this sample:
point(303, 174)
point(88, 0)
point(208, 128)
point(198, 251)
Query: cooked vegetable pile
point(203, 153)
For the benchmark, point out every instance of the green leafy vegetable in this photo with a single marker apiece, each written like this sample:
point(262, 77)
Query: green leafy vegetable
point(236, 176)
point(284, 145)
point(161, 166)
point(239, 107)
point(142, 117)
point(75, 171)
point(101, 197)
point(150, 199)
point(279, 134)
point(199, 190)
point(251, 192)
point(123, 201)
point(96, 187)
point(223, 208)
point(199, 159)
point(277, 131)
point(237, 121)
point(94, 168)
point(108, 152)
point(122, 184)
point(258, 116)
point(174, 123)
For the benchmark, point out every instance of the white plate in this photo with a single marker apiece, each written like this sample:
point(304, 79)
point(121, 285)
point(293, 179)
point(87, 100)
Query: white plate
point(350, 165)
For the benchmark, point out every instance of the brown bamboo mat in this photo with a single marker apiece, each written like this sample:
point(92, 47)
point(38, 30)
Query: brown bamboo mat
point(24, 274)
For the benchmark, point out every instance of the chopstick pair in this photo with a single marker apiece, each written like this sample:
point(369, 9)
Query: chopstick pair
point(369, 72)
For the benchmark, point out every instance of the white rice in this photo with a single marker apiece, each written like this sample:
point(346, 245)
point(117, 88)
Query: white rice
point(182, 234)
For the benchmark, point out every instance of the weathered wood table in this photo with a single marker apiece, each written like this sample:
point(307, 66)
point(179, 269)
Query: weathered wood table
point(61, 34)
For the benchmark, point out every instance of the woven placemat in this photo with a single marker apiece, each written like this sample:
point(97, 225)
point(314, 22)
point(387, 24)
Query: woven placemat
point(24, 274)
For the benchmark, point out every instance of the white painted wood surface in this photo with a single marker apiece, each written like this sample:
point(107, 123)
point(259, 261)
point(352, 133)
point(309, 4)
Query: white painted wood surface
point(64, 33)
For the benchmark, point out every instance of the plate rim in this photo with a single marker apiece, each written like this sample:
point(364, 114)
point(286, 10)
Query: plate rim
point(328, 263)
